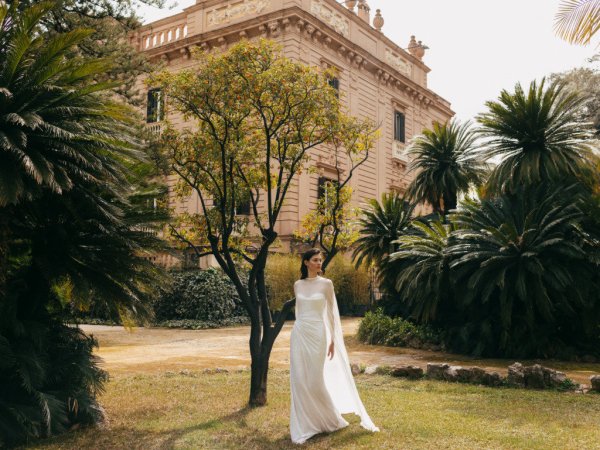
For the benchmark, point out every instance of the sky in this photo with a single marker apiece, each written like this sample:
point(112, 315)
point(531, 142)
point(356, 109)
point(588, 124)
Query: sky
point(476, 47)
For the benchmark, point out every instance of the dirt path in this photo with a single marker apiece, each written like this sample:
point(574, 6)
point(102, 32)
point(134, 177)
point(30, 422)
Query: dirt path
point(158, 349)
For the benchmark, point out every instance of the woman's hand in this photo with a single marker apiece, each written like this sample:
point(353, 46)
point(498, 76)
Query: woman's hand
point(330, 350)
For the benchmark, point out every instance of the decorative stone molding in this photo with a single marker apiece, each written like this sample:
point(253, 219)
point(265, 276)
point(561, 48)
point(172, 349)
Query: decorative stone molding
point(325, 36)
point(185, 53)
point(335, 20)
point(227, 13)
point(398, 63)
point(273, 28)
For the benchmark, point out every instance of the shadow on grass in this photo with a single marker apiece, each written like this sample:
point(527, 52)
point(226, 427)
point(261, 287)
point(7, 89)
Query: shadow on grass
point(240, 437)
point(107, 437)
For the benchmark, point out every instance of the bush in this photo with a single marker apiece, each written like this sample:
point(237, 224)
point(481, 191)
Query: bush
point(190, 324)
point(49, 380)
point(351, 285)
point(352, 288)
point(281, 271)
point(378, 329)
point(206, 295)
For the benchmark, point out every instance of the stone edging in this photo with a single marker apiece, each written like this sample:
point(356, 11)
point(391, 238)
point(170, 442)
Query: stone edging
point(530, 377)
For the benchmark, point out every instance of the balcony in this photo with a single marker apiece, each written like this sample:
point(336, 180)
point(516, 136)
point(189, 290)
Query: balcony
point(399, 152)
point(154, 128)
point(164, 35)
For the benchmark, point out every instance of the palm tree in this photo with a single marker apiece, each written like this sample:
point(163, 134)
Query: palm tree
point(447, 163)
point(536, 135)
point(420, 270)
point(577, 21)
point(51, 135)
point(66, 236)
point(524, 284)
point(380, 226)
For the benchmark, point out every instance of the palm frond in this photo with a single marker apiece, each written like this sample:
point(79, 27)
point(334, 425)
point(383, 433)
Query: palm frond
point(577, 21)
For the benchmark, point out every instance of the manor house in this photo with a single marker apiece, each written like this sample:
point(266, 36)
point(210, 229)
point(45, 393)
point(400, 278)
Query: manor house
point(376, 79)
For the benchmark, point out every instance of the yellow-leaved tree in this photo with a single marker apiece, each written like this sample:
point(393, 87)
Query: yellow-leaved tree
point(257, 116)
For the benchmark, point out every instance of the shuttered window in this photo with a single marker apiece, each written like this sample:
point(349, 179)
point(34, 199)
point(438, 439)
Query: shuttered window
point(399, 125)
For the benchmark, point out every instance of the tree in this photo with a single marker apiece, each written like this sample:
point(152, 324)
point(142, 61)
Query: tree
point(380, 226)
point(332, 224)
point(112, 22)
point(536, 134)
point(421, 271)
point(577, 21)
point(525, 285)
point(509, 276)
point(447, 163)
point(584, 82)
point(257, 116)
point(66, 236)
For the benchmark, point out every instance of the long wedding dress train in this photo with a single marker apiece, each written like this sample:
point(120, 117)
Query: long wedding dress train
point(322, 389)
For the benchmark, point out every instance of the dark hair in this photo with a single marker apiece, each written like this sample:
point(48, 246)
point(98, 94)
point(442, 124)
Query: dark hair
point(306, 257)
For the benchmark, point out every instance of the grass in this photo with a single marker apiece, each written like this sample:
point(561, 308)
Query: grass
point(195, 410)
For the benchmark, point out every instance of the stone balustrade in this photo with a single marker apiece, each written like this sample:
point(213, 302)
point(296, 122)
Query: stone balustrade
point(162, 36)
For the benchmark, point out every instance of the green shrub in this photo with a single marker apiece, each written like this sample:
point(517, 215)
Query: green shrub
point(206, 295)
point(49, 380)
point(378, 329)
point(190, 324)
point(281, 271)
point(351, 285)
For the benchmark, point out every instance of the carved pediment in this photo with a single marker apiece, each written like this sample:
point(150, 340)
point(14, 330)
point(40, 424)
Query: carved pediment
point(232, 11)
point(330, 17)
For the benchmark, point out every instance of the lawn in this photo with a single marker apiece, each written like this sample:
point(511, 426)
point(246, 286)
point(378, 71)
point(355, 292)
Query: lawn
point(192, 409)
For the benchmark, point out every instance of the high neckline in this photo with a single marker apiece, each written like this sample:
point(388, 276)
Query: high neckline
point(311, 278)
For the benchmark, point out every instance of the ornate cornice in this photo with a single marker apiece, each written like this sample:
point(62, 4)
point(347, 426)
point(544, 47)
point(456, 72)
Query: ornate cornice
point(389, 72)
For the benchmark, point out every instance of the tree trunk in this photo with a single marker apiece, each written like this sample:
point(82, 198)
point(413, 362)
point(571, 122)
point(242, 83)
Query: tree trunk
point(261, 356)
point(258, 381)
point(450, 202)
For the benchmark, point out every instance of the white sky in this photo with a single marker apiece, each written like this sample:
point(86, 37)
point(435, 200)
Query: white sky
point(477, 47)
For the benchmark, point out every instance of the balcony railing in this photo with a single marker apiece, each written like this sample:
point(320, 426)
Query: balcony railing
point(399, 151)
point(172, 33)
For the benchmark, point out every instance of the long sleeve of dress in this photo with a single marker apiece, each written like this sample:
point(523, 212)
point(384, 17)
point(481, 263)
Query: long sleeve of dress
point(331, 303)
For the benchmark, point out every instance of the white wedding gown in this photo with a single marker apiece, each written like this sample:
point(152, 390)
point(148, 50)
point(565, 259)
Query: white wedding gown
point(322, 388)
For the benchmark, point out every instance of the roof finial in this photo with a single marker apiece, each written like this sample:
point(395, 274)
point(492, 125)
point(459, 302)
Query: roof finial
point(378, 20)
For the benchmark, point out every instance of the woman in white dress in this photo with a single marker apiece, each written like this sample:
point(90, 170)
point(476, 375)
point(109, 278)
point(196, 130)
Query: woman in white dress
point(321, 381)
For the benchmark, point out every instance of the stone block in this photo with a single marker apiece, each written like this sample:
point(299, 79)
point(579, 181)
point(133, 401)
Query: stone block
point(411, 372)
point(516, 376)
point(370, 370)
point(437, 371)
point(355, 369)
point(492, 379)
point(595, 383)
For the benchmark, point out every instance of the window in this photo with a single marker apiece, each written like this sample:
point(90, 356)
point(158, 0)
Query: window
point(155, 107)
point(243, 207)
point(321, 191)
point(335, 83)
point(399, 124)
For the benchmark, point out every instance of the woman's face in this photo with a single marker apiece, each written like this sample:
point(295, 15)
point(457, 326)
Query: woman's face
point(314, 263)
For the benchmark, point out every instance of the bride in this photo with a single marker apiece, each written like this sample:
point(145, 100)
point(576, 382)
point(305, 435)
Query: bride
point(321, 382)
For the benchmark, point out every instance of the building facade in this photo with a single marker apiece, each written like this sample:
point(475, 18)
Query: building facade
point(377, 79)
